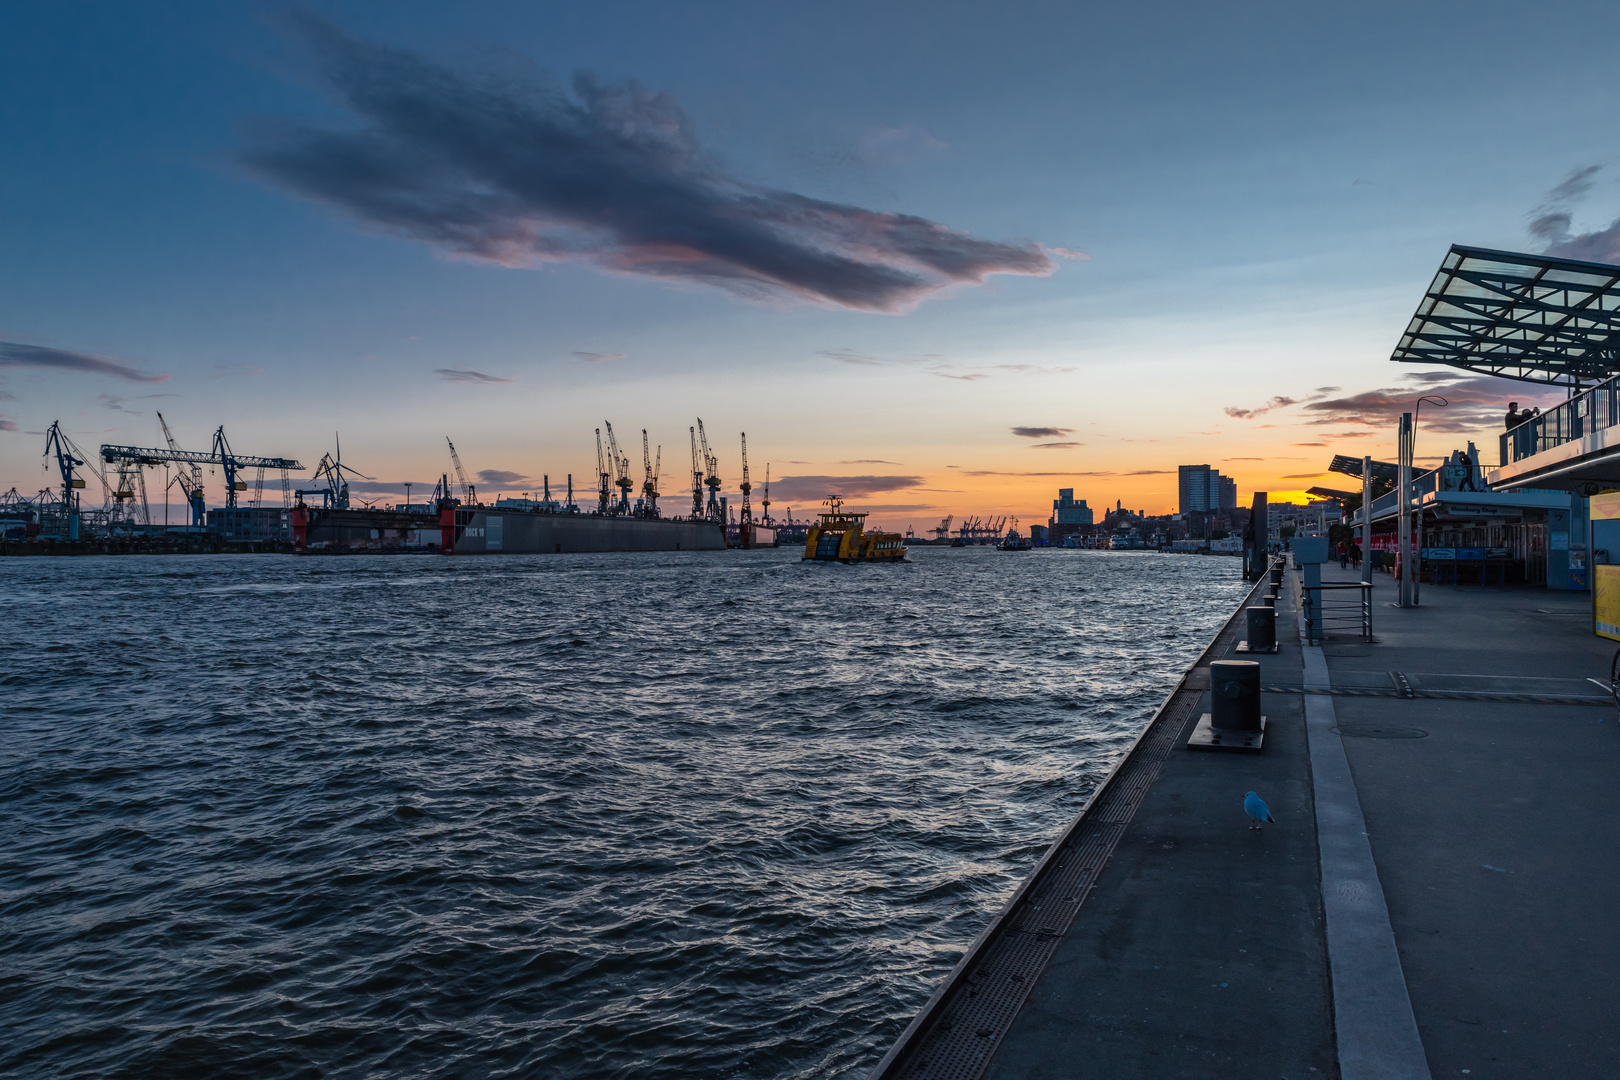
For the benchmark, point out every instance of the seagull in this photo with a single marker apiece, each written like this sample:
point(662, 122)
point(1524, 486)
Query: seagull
point(1256, 808)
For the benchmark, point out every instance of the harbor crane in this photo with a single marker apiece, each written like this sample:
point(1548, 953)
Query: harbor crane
point(711, 477)
point(697, 477)
point(745, 518)
point(133, 460)
point(190, 486)
point(603, 477)
point(942, 531)
point(765, 503)
point(461, 474)
point(649, 486)
point(621, 472)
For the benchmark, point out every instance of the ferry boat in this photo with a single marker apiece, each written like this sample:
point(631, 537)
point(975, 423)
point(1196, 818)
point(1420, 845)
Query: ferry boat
point(840, 536)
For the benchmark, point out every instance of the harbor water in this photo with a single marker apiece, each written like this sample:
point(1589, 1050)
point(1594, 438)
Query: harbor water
point(695, 815)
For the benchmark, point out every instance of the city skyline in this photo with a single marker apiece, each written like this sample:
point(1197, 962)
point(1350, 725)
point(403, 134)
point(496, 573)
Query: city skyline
point(1121, 246)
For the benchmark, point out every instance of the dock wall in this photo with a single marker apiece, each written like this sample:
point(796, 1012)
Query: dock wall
point(989, 985)
point(487, 533)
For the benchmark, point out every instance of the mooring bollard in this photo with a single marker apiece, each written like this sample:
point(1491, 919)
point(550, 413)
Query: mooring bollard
point(1234, 695)
point(1276, 575)
point(1269, 601)
point(1262, 629)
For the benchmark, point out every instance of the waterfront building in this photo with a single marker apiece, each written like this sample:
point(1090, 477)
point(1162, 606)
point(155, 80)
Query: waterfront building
point(1203, 488)
point(1070, 516)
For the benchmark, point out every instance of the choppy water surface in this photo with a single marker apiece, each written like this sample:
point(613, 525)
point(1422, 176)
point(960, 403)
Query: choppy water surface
point(704, 815)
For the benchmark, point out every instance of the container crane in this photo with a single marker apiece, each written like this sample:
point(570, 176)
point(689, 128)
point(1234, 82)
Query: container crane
point(942, 531)
point(621, 472)
point(697, 477)
point(765, 503)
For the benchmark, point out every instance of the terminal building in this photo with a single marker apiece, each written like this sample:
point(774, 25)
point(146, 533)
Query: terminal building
point(1532, 518)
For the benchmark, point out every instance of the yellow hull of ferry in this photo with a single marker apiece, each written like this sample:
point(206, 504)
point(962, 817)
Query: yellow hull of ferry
point(841, 539)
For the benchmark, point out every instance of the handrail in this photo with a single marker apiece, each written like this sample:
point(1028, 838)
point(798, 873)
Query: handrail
point(1591, 410)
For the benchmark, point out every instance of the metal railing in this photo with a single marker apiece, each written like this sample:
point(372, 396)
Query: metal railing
point(1586, 412)
point(1326, 613)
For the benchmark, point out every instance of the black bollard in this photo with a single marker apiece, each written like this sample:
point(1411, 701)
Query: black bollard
point(1276, 576)
point(1262, 629)
point(1234, 692)
point(1269, 601)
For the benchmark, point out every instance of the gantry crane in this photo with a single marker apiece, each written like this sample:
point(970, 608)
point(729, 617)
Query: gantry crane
point(621, 471)
point(603, 477)
point(765, 503)
point(132, 460)
point(943, 529)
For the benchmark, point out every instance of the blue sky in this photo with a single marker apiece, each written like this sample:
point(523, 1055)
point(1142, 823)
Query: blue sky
point(1259, 194)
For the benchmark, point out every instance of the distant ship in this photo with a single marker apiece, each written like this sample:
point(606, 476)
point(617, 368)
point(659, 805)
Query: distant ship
point(840, 536)
point(1013, 542)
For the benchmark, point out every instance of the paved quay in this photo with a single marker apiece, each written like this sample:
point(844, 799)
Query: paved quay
point(1437, 898)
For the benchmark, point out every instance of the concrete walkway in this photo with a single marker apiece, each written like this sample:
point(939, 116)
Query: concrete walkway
point(1493, 823)
point(1491, 805)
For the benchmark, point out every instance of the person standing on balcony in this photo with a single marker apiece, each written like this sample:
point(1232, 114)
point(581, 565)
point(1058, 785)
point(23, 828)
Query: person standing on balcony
point(1513, 415)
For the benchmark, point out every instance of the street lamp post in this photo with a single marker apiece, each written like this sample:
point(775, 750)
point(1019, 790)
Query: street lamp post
point(1410, 563)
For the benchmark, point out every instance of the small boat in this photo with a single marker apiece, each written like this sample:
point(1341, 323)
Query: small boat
point(840, 536)
point(1013, 541)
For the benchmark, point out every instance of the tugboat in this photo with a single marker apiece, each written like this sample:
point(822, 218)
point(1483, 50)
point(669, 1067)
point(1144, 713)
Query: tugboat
point(840, 536)
point(1013, 541)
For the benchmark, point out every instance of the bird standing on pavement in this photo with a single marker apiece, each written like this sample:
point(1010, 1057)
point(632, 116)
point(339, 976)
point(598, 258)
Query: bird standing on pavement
point(1256, 808)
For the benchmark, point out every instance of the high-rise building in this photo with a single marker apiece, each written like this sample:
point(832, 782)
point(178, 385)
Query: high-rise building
point(1203, 488)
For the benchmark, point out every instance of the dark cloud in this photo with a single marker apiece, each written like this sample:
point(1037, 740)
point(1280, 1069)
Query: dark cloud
point(817, 488)
point(1056, 445)
point(598, 357)
point(1277, 402)
point(16, 354)
point(1550, 222)
point(993, 472)
point(500, 476)
point(1041, 432)
point(1148, 472)
point(861, 461)
point(468, 375)
point(419, 490)
point(1475, 402)
point(613, 175)
point(1305, 476)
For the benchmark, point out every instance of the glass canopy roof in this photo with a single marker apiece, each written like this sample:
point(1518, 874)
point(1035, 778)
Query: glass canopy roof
point(1529, 317)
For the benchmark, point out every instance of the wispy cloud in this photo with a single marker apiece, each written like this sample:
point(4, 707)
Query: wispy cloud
point(7, 424)
point(861, 461)
point(1041, 432)
point(971, 376)
point(850, 356)
point(500, 476)
point(16, 354)
point(851, 487)
point(468, 375)
point(1056, 445)
point(599, 357)
point(1148, 472)
point(613, 175)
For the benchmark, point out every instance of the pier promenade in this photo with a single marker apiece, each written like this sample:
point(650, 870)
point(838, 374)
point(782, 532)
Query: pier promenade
point(1436, 898)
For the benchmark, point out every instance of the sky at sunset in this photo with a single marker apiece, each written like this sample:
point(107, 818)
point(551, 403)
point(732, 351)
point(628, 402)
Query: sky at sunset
point(942, 258)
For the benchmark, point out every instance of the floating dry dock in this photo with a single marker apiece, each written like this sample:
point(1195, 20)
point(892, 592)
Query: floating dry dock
point(1437, 894)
